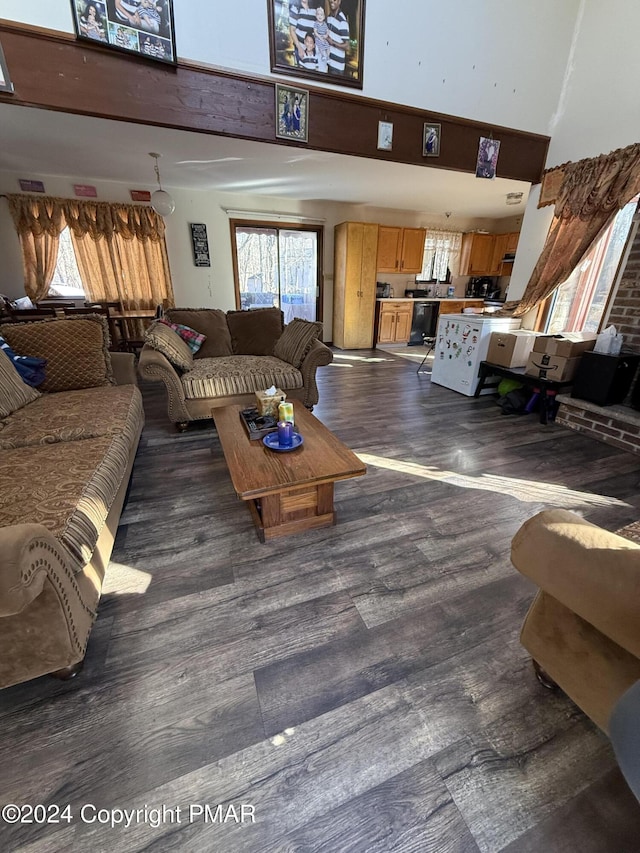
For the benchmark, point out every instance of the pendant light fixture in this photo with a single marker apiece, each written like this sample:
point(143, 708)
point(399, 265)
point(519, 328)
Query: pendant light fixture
point(161, 201)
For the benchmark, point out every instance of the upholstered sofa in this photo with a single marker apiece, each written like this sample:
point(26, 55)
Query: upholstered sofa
point(583, 627)
point(242, 352)
point(66, 454)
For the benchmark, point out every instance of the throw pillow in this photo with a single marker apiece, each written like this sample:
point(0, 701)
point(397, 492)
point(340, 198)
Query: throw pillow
point(170, 344)
point(296, 341)
point(193, 339)
point(76, 350)
point(210, 322)
point(14, 394)
point(30, 369)
point(255, 332)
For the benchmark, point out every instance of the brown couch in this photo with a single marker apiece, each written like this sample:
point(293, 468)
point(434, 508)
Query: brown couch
point(243, 352)
point(583, 628)
point(65, 462)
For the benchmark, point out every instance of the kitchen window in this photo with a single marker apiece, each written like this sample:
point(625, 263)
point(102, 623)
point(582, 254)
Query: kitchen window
point(441, 254)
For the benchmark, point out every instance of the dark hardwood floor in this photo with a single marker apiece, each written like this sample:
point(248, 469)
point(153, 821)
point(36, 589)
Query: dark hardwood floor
point(361, 688)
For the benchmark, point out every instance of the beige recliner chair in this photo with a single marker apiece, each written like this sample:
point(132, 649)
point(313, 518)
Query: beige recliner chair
point(583, 628)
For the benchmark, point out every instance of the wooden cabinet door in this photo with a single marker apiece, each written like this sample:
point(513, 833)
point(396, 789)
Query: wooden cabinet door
point(481, 254)
point(452, 306)
point(512, 242)
point(412, 249)
point(389, 248)
point(499, 250)
point(386, 325)
point(363, 331)
point(354, 292)
point(403, 325)
point(353, 273)
point(477, 254)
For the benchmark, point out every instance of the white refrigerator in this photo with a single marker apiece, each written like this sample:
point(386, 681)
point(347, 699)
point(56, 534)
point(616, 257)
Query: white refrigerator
point(462, 342)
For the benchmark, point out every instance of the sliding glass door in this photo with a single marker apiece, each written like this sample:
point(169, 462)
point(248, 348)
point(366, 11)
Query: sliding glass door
point(278, 266)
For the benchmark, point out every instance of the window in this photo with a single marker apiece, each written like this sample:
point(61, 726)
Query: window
point(441, 251)
point(66, 281)
point(579, 303)
point(279, 267)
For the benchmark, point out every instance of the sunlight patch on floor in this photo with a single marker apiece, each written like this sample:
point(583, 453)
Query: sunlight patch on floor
point(528, 491)
point(125, 580)
point(367, 358)
point(416, 355)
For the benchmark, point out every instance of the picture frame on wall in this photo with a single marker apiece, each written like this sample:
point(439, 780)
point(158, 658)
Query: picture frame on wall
point(431, 140)
point(309, 38)
point(292, 113)
point(385, 136)
point(141, 27)
point(5, 81)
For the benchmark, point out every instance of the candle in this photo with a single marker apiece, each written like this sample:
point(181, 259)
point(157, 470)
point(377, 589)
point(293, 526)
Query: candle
point(285, 434)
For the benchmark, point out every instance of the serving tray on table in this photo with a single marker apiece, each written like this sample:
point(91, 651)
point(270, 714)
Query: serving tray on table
point(257, 425)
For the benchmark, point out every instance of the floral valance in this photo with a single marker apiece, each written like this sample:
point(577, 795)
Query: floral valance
point(39, 215)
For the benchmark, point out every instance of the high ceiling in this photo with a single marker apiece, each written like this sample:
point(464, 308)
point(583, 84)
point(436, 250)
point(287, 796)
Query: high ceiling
point(36, 142)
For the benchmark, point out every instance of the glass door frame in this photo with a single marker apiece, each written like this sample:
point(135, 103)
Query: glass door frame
point(279, 226)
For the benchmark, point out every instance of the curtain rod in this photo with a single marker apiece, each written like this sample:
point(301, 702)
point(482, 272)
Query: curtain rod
point(268, 214)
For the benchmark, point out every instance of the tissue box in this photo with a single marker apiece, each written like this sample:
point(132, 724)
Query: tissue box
point(510, 349)
point(267, 404)
point(566, 345)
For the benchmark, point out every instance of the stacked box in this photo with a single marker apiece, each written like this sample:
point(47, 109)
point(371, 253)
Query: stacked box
point(566, 345)
point(553, 367)
point(511, 349)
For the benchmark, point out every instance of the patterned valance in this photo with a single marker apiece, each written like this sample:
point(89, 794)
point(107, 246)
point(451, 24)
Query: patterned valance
point(39, 215)
point(605, 183)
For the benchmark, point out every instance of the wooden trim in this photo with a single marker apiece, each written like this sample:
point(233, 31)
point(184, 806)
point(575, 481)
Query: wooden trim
point(96, 81)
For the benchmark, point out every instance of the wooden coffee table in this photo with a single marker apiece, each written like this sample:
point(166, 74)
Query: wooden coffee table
point(286, 492)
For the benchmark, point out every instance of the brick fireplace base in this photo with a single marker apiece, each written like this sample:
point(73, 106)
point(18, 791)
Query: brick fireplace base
point(617, 425)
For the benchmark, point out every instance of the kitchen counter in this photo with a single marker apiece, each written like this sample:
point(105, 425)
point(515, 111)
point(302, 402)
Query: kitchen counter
point(429, 299)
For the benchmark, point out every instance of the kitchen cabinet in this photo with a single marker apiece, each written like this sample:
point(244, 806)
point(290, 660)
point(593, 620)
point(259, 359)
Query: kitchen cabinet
point(476, 255)
point(393, 322)
point(400, 249)
point(354, 285)
point(455, 306)
point(482, 254)
point(512, 242)
point(499, 251)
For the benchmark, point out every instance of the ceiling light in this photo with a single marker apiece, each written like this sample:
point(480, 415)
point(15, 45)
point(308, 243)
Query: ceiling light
point(514, 198)
point(161, 201)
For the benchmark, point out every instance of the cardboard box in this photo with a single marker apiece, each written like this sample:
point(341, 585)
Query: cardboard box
point(553, 367)
point(511, 349)
point(566, 345)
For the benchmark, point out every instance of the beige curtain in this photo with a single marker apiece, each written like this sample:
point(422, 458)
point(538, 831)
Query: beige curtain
point(592, 192)
point(120, 248)
point(122, 256)
point(38, 221)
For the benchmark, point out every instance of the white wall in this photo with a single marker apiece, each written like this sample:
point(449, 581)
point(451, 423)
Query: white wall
point(597, 111)
point(502, 63)
point(566, 69)
point(213, 286)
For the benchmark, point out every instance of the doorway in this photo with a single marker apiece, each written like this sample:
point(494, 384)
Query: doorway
point(278, 265)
